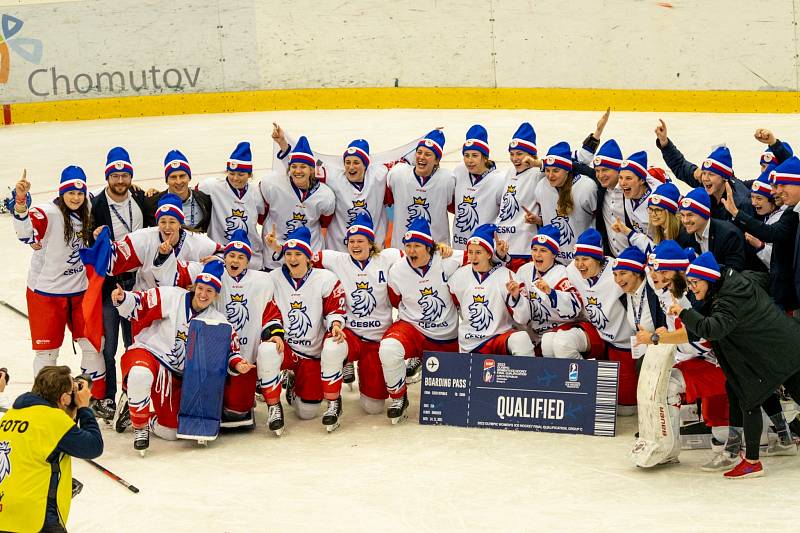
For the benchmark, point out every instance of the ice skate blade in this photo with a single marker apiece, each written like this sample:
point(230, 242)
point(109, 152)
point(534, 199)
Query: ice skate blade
point(277, 432)
point(399, 419)
point(332, 427)
point(142, 453)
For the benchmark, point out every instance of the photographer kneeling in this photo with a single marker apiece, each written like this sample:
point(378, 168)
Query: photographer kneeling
point(38, 438)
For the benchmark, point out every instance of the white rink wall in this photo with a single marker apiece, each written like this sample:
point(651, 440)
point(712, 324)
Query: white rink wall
point(94, 48)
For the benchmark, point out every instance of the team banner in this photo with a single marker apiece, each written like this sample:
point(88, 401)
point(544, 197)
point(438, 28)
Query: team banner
point(522, 393)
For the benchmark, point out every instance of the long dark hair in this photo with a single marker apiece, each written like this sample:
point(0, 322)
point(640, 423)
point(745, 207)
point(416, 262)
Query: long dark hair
point(566, 203)
point(678, 287)
point(85, 216)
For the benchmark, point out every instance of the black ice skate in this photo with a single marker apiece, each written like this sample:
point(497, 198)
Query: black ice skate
point(123, 415)
point(288, 386)
point(331, 417)
point(349, 374)
point(397, 409)
point(104, 409)
point(141, 439)
point(275, 419)
point(413, 370)
point(233, 419)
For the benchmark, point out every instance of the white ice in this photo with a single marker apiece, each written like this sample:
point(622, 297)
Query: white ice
point(369, 475)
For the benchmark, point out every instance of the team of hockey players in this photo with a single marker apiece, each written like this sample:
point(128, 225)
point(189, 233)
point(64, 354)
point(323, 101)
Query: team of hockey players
point(571, 254)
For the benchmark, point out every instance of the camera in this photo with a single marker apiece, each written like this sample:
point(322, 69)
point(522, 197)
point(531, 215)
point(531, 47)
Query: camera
point(82, 381)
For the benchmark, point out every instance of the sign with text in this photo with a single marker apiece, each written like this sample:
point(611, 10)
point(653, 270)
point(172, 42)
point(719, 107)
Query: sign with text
point(522, 393)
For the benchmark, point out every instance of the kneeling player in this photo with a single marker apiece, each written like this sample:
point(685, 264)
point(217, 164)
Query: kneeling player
point(313, 304)
point(479, 290)
point(427, 318)
point(153, 365)
point(541, 295)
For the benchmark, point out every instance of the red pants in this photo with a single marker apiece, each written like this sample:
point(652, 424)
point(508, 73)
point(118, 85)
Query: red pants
point(497, 345)
point(414, 342)
point(239, 391)
point(49, 315)
point(517, 262)
point(165, 393)
point(307, 375)
point(370, 371)
point(706, 381)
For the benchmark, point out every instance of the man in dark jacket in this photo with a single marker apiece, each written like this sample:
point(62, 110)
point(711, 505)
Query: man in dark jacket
point(196, 204)
point(704, 234)
point(717, 170)
point(786, 179)
point(122, 209)
point(755, 343)
point(38, 438)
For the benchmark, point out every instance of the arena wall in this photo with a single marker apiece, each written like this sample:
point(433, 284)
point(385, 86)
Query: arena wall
point(120, 58)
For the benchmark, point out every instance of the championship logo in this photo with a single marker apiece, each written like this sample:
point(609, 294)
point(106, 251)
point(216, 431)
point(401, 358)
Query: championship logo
point(432, 305)
point(509, 205)
point(479, 314)
point(363, 300)
point(572, 375)
point(5, 460)
point(467, 214)
point(298, 219)
point(418, 209)
point(564, 228)
point(237, 311)
point(596, 315)
point(489, 370)
point(299, 322)
point(178, 354)
point(237, 220)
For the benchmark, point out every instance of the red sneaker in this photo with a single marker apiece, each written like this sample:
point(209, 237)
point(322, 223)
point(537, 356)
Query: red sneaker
point(745, 469)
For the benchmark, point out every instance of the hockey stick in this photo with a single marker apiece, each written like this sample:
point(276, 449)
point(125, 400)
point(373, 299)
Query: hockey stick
point(14, 309)
point(113, 476)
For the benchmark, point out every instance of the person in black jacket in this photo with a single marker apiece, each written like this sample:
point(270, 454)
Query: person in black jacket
point(196, 204)
point(755, 344)
point(786, 178)
point(716, 171)
point(772, 232)
point(122, 209)
point(704, 233)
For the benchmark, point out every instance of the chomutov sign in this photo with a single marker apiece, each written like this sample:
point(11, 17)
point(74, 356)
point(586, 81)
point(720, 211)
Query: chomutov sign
point(49, 82)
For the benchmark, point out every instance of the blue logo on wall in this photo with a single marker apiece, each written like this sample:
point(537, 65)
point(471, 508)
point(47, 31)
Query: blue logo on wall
point(573, 372)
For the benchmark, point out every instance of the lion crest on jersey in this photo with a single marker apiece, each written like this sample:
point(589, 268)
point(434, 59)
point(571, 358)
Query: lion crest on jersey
point(359, 207)
point(298, 219)
point(509, 205)
point(564, 228)
point(237, 220)
point(432, 305)
point(299, 322)
point(178, 353)
point(480, 316)
point(5, 461)
point(364, 302)
point(539, 312)
point(596, 315)
point(74, 257)
point(418, 209)
point(237, 311)
point(467, 214)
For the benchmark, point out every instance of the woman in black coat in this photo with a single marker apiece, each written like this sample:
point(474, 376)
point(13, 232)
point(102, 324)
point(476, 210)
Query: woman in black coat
point(757, 346)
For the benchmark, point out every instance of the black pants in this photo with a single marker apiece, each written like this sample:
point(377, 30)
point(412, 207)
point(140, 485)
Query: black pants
point(753, 424)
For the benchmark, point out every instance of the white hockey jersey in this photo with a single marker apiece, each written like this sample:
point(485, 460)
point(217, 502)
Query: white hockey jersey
point(365, 284)
point(56, 269)
point(636, 216)
point(288, 208)
point(483, 303)
point(309, 307)
point(353, 199)
point(613, 208)
point(690, 350)
point(231, 210)
point(543, 312)
point(160, 317)
point(584, 195)
point(601, 301)
point(519, 190)
point(140, 249)
point(422, 296)
point(765, 254)
point(477, 201)
point(414, 197)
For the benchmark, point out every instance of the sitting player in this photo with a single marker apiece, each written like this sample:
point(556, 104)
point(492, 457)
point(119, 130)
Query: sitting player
point(542, 297)
point(153, 365)
point(479, 290)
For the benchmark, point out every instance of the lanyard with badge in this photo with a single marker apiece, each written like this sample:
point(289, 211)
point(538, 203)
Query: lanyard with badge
point(638, 350)
point(128, 227)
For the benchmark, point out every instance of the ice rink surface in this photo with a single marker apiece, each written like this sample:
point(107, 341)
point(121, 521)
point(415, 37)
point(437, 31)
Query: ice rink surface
point(368, 475)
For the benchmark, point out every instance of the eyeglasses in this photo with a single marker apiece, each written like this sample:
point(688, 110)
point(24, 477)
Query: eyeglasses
point(119, 177)
point(693, 283)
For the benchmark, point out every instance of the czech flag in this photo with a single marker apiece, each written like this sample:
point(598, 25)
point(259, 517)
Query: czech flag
point(97, 260)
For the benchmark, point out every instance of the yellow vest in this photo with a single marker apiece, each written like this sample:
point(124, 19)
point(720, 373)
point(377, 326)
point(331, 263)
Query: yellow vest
point(27, 437)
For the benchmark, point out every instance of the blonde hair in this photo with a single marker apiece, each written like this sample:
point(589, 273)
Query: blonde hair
point(672, 230)
point(566, 203)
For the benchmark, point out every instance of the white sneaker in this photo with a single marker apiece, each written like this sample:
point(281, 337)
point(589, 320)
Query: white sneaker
point(721, 462)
